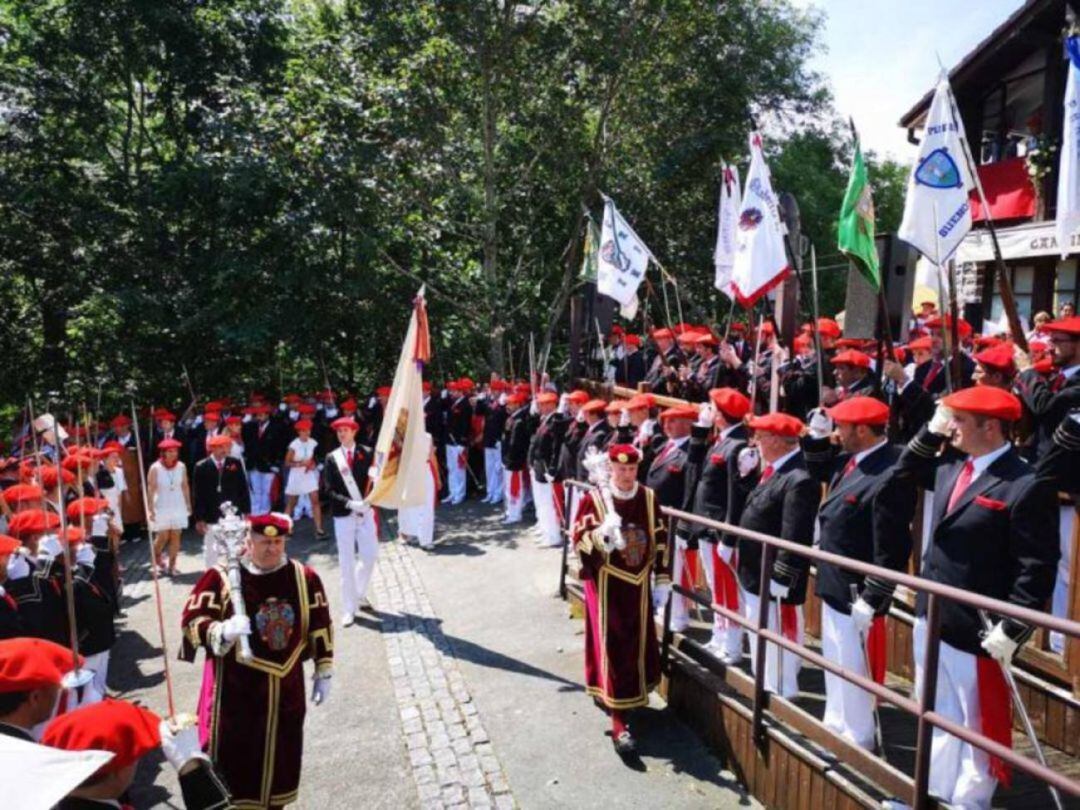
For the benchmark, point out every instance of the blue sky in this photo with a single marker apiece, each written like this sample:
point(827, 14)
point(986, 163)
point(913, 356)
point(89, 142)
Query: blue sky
point(882, 56)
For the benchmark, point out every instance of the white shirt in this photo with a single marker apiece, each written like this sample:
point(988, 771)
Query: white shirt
point(727, 431)
point(1068, 373)
point(780, 462)
point(981, 463)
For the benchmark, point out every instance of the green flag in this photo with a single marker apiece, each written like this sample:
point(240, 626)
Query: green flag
point(592, 243)
point(856, 228)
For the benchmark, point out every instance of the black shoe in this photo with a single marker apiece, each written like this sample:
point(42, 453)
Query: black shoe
point(321, 535)
point(624, 744)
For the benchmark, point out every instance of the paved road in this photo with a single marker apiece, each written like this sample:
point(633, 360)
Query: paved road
point(463, 688)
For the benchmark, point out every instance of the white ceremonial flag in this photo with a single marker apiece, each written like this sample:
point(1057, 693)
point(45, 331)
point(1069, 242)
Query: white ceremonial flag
point(404, 446)
point(727, 229)
point(36, 777)
point(623, 260)
point(760, 260)
point(1068, 191)
point(940, 183)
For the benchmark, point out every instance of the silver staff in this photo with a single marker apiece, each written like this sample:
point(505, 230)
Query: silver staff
point(229, 535)
point(599, 467)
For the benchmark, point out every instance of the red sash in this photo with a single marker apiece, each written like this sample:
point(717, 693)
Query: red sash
point(789, 622)
point(995, 709)
point(876, 649)
point(515, 484)
point(724, 582)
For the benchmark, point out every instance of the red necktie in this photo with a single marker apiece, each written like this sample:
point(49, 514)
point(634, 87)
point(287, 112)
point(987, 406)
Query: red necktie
point(962, 483)
point(766, 474)
point(348, 458)
point(1058, 383)
point(851, 465)
point(931, 375)
point(7, 598)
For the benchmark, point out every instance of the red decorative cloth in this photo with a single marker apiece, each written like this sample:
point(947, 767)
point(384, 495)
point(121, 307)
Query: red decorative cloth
point(995, 709)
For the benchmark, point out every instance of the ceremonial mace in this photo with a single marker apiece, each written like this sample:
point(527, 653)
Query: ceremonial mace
point(229, 535)
point(599, 467)
point(153, 561)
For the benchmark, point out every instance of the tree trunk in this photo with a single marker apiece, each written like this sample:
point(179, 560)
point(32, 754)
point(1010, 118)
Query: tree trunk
point(496, 356)
point(53, 356)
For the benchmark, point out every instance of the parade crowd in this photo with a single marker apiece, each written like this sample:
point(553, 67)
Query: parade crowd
point(991, 439)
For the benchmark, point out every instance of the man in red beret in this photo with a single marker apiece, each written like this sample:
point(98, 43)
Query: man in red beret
point(995, 533)
point(782, 500)
point(490, 405)
point(205, 427)
point(347, 479)
point(853, 377)
point(995, 366)
point(517, 434)
point(32, 674)
point(666, 361)
point(42, 608)
point(621, 539)
point(866, 515)
point(552, 420)
point(627, 364)
point(219, 478)
point(167, 428)
point(459, 413)
point(264, 451)
point(11, 621)
point(717, 437)
point(254, 714)
point(932, 376)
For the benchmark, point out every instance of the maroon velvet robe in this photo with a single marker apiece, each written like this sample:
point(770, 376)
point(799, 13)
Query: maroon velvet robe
point(256, 709)
point(622, 657)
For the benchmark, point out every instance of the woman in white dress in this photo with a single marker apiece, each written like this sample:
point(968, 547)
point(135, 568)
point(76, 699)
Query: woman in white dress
point(170, 502)
point(303, 476)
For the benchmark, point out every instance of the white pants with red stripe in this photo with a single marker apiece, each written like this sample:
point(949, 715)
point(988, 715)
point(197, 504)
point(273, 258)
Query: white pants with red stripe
point(456, 459)
point(514, 479)
point(849, 710)
point(775, 658)
point(419, 521)
point(680, 605)
point(959, 772)
point(546, 519)
point(261, 482)
point(1059, 603)
point(727, 636)
point(493, 472)
point(358, 546)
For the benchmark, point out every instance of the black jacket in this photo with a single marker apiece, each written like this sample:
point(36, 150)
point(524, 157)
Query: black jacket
point(596, 435)
point(494, 421)
point(459, 421)
point(865, 515)
point(630, 370)
point(1048, 408)
point(568, 450)
point(711, 471)
point(666, 473)
point(11, 623)
point(211, 488)
point(517, 435)
point(263, 453)
point(784, 506)
point(335, 483)
point(544, 446)
point(1001, 539)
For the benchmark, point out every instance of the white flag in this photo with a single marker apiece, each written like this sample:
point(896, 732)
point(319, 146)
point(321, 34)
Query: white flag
point(1068, 193)
point(760, 261)
point(937, 213)
point(727, 229)
point(623, 259)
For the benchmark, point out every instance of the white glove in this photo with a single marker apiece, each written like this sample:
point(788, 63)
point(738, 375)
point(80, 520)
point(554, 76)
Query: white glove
point(646, 430)
point(752, 368)
point(580, 416)
point(726, 553)
point(481, 396)
point(502, 399)
point(445, 394)
point(246, 419)
point(371, 403)
point(706, 416)
point(49, 547)
point(939, 422)
point(331, 411)
point(320, 690)
point(660, 596)
point(234, 627)
point(283, 407)
point(294, 415)
point(198, 420)
point(373, 472)
point(564, 404)
point(1075, 415)
point(534, 409)
point(749, 460)
point(610, 524)
point(999, 646)
point(181, 745)
point(357, 507)
point(99, 526)
point(778, 591)
point(820, 424)
point(624, 418)
point(84, 554)
point(862, 615)
point(17, 567)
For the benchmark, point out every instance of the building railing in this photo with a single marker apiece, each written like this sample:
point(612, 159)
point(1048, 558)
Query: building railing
point(920, 706)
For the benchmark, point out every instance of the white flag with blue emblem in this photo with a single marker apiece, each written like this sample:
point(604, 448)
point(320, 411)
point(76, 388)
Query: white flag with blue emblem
point(727, 229)
point(760, 259)
point(623, 260)
point(937, 213)
point(1068, 193)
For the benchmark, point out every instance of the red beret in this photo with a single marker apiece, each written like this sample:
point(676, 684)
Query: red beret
point(383, 391)
point(85, 506)
point(516, 398)
point(632, 340)
point(8, 544)
point(20, 493)
point(523, 388)
point(767, 328)
point(617, 330)
point(987, 341)
point(306, 408)
point(624, 454)
point(221, 440)
point(861, 411)
point(984, 400)
point(74, 535)
point(594, 406)
point(234, 420)
point(615, 406)
point(127, 730)
point(1068, 325)
point(465, 384)
point(345, 422)
point(579, 397)
point(827, 327)
point(708, 339)
point(303, 424)
point(291, 399)
point(997, 358)
point(730, 402)
point(679, 412)
point(852, 358)
point(32, 521)
point(164, 414)
point(271, 524)
point(211, 415)
point(782, 424)
point(963, 327)
point(659, 334)
point(923, 344)
point(547, 398)
point(50, 476)
point(120, 420)
point(78, 458)
point(640, 402)
point(499, 385)
point(31, 663)
point(169, 444)
point(737, 326)
point(426, 387)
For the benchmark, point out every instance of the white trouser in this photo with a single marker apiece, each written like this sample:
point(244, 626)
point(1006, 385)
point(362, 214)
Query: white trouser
point(959, 772)
point(849, 710)
point(773, 654)
point(726, 635)
point(927, 520)
point(98, 663)
point(546, 520)
point(456, 458)
point(493, 472)
point(260, 491)
point(419, 521)
point(210, 551)
point(303, 507)
point(680, 605)
point(514, 503)
point(1059, 603)
point(358, 546)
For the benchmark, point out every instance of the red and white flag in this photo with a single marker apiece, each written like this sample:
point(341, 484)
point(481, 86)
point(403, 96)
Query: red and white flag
point(760, 260)
point(727, 228)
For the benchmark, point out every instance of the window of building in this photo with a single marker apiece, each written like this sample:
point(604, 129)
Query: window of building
point(1012, 111)
point(1023, 284)
point(1065, 289)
